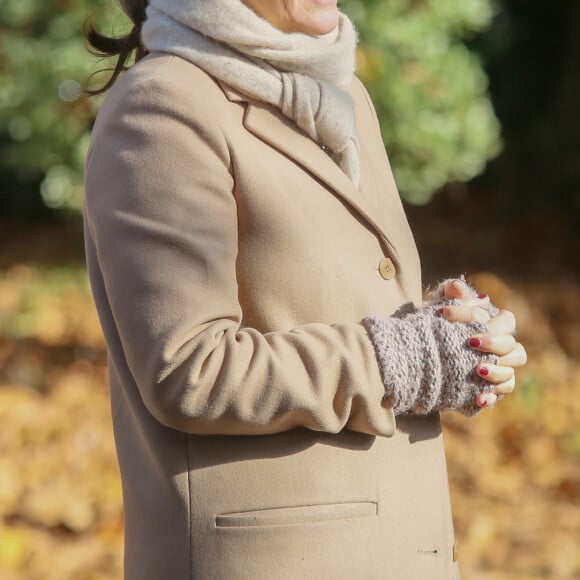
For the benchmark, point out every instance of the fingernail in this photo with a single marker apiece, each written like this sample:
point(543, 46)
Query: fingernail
point(475, 342)
point(458, 283)
point(482, 296)
point(484, 371)
point(441, 312)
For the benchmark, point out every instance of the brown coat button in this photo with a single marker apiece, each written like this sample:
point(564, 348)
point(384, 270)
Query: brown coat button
point(387, 269)
point(455, 551)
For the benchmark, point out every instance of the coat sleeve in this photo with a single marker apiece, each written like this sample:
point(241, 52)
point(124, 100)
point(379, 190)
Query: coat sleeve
point(161, 216)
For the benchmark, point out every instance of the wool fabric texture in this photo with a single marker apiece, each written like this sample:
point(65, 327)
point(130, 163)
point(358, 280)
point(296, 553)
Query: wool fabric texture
point(426, 362)
point(305, 77)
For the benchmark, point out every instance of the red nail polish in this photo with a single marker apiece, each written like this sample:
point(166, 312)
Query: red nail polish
point(474, 342)
point(484, 371)
point(482, 296)
point(440, 312)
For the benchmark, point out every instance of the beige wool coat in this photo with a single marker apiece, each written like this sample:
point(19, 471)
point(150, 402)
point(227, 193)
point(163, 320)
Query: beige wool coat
point(231, 263)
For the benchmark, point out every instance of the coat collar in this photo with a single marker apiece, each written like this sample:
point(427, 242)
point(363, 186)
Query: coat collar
point(272, 127)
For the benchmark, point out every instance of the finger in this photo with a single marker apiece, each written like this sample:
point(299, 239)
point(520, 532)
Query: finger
point(486, 400)
point(495, 374)
point(481, 301)
point(499, 344)
point(503, 323)
point(456, 289)
point(516, 358)
point(506, 387)
point(464, 314)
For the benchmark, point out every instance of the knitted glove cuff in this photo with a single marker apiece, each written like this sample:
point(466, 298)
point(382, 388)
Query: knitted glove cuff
point(426, 362)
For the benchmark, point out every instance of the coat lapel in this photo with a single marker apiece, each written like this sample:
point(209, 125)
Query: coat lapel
point(268, 124)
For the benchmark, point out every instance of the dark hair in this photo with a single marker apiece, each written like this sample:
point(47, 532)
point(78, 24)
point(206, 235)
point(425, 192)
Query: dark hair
point(123, 46)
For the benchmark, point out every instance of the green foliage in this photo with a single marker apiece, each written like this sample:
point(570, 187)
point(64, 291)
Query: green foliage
point(530, 393)
point(430, 91)
point(44, 116)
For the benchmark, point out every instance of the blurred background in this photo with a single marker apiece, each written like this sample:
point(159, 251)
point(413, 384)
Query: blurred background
point(479, 106)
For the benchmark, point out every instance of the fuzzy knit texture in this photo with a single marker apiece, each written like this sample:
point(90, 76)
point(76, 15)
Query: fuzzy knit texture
point(306, 77)
point(426, 362)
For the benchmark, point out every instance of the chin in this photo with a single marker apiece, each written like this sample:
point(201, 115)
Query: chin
point(321, 17)
point(313, 17)
point(321, 25)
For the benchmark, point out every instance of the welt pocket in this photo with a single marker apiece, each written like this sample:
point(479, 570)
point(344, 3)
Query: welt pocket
point(308, 514)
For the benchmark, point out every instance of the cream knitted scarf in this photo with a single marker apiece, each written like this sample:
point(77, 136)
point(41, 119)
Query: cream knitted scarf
point(306, 77)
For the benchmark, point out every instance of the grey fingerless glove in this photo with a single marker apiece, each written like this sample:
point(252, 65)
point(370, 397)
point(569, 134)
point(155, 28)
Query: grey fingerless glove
point(425, 360)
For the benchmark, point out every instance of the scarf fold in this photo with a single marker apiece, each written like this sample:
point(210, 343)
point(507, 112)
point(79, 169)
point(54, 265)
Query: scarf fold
point(305, 77)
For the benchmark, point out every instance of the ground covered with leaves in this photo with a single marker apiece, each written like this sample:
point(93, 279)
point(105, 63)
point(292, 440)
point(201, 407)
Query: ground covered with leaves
point(514, 471)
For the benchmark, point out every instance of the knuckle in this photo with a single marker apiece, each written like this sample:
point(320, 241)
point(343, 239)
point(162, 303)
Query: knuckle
point(500, 344)
point(450, 313)
point(506, 387)
point(478, 315)
point(510, 316)
point(522, 353)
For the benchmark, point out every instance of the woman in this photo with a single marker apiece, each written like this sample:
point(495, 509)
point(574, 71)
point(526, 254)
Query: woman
point(275, 381)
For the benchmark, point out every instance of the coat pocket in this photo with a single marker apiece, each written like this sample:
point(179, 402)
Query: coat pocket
point(309, 514)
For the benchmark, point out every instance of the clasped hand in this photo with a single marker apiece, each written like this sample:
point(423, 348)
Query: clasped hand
point(500, 341)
